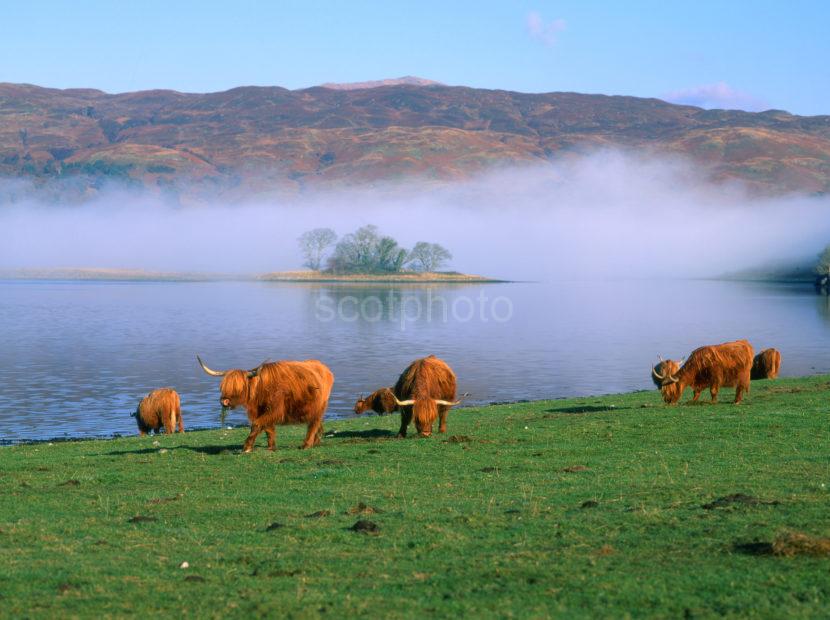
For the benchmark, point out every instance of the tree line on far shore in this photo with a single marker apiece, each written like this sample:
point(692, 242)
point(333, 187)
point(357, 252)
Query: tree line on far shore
point(366, 251)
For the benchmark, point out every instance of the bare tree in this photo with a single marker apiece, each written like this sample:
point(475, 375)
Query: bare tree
point(428, 256)
point(313, 244)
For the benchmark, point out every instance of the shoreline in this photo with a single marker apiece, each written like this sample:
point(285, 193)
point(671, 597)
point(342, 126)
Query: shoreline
point(351, 419)
point(139, 275)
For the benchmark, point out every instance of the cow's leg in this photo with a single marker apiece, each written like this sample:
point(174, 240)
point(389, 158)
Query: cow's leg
point(714, 392)
point(311, 438)
point(696, 395)
point(249, 442)
point(739, 394)
point(272, 437)
point(443, 411)
point(179, 417)
point(406, 418)
point(169, 421)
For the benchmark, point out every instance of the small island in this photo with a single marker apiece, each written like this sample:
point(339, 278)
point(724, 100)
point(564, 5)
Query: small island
point(390, 278)
point(367, 256)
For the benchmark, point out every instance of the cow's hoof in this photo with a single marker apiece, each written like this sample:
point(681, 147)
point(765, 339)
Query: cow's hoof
point(247, 450)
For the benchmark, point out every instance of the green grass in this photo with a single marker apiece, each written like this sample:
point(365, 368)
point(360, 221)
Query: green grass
point(489, 524)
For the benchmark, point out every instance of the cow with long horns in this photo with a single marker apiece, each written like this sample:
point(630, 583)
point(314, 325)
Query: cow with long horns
point(766, 364)
point(160, 408)
point(275, 393)
point(716, 366)
point(425, 391)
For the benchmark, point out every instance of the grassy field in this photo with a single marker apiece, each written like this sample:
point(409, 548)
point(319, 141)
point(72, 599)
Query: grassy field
point(612, 507)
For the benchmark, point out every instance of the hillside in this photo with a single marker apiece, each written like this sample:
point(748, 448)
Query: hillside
point(262, 139)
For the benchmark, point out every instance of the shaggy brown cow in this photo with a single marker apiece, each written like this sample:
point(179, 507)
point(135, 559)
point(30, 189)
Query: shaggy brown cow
point(713, 367)
point(380, 401)
point(425, 391)
point(159, 408)
point(766, 364)
point(278, 393)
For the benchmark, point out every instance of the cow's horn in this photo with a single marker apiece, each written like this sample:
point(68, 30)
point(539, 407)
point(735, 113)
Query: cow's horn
point(673, 379)
point(682, 361)
point(448, 403)
point(212, 373)
point(255, 371)
point(656, 374)
point(403, 403)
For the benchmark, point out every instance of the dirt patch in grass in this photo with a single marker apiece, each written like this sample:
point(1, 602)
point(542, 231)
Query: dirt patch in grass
point(197, 578)
point(738, 499)
point(459, 439)
point(365, 527)
point(573, 469)
point(363, 509)
point(488, 470)
point(165, 500)
point(590, 503)
point(319, 514)
point(70, 483)
point(141, 519)
point(788, 545)
point(274, 526)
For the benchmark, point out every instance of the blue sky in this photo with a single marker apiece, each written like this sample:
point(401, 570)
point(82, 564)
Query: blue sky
point(749, 55)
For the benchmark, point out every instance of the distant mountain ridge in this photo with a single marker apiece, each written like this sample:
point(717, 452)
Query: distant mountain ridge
point(269, 139)
point(407, 80)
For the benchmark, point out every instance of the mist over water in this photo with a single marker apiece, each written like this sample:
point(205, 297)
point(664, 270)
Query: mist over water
point(610, 214)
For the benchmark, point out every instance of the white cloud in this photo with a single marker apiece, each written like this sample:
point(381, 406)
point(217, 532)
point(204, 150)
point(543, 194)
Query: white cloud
point(717, 95)
point(546, 32)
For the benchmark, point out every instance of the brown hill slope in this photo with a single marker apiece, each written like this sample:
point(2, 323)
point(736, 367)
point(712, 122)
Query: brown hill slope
point(256, 139)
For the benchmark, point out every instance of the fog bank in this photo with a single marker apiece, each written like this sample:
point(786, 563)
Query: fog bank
point(610, 214)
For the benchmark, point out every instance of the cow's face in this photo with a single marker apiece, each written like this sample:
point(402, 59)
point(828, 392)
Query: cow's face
point(361, 406)
point(671, 392)
point(234, 389)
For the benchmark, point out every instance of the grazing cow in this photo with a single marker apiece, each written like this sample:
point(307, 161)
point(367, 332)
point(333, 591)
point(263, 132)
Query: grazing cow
point(766, 364)
point(424, 391)
point(278, 393)
point(159, 408)
point(380, 401)
point(713, 367)
point(664, 366)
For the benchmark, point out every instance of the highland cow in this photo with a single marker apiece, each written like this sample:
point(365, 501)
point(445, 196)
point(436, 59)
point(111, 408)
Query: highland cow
point(766, 364)
point(425, 391)
point(278, 393)
point(713, 367)
point(159, 408)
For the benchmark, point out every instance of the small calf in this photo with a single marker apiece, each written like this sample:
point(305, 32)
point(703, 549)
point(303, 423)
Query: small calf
point(159, 408)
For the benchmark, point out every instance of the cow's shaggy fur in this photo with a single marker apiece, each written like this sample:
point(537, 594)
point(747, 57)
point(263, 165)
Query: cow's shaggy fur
point(160, 408)
point(423, 381)
point(280, 393)
point(766, 364)
point(713, 367)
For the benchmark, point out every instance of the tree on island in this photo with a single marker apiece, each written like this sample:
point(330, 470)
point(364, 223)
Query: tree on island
point(314, 243)
point(428, 257)
point(366, 251)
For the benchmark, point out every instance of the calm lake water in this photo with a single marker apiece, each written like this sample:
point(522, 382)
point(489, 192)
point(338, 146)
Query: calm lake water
point(76, 357)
